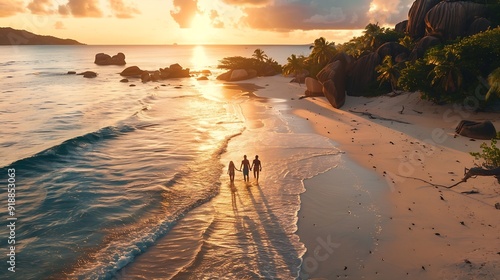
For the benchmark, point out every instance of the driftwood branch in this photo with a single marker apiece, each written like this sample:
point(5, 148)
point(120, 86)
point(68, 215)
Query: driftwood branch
point(478, 171)
point(469, 173)
point(372, 116)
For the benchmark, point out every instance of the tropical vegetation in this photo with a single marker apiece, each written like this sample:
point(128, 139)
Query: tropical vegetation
point(456, 71)
point(388, 72)
point(259, 62)
point(490, 154)
point(450, 72)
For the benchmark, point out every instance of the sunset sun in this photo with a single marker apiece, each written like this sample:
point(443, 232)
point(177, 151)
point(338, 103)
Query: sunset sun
point(201, 29)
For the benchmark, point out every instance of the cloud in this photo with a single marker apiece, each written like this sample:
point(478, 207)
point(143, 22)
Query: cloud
point(388, 11)
point(121, 10)
point(63, 10)
point(184, 12)
point(81, 8)
point(215, 19)
point(59, 25)
point(41, 7)
point(288, 15)
point(308, 15)
point(10, 7)
point(260, 3)
point(336, 15)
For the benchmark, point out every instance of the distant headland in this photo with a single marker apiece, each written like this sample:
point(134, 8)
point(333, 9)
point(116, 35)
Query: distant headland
point(10, 36)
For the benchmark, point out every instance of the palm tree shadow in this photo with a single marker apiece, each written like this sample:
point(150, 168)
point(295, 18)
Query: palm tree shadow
point(278, 239)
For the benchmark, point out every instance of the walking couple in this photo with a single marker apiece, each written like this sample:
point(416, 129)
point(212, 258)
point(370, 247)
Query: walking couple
point(245, 164)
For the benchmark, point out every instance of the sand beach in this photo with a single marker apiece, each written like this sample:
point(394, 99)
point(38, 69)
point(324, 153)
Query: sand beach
point(378, 216)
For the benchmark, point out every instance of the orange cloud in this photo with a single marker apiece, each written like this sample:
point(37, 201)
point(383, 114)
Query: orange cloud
point(387, 11)
point(248, 2)
point(307, 15)
point(121, 10)
point(41, 7)
point(59, 25)
point(215, 19)
point(184, 12)
point(81, 8)
point(10, 7)
point(285, 15)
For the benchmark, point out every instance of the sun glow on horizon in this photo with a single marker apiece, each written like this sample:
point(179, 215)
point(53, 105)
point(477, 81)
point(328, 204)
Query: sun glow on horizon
point(201, 29)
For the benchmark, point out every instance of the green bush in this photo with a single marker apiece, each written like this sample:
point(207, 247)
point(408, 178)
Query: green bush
point(490, 154)
point(454, 72)
point(239, 62)
point(415, 77)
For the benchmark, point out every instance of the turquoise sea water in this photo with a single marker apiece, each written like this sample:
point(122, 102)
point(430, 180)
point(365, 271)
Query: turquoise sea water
point(111, 178)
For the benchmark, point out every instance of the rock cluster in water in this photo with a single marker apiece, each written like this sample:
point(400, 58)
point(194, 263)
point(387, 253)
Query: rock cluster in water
point(106, 59)
point(173, 71)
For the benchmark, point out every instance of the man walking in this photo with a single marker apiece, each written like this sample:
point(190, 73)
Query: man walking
point(257, 167)
point(246, 167)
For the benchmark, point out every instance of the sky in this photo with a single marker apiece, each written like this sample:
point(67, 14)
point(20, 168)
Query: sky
point(144, 22)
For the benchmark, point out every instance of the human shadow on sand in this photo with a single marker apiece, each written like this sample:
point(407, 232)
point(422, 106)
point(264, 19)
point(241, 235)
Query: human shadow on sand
point(277, 239)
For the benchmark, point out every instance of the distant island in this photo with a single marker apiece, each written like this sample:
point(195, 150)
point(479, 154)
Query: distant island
point(10, 36)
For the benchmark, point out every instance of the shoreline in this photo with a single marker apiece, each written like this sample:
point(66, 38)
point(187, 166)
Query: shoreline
point(427, 232)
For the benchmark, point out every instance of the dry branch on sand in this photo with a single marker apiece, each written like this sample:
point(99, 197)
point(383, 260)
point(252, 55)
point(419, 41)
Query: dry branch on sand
point(469, 173)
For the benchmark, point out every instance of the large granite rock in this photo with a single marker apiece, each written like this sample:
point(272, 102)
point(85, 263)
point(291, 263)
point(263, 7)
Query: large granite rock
point(422, 46)
point(450, 20)
point(335, 93)
point(105, 59)
point(416, 17)
point(132, 71)
point(478, 25)
point(401, 26)
point(346, 60)
point(333, 79)
point(392, 49)
point(362, 74)
point(313, 87)
point(477, 130)
point(224, 76)
point(238, 75)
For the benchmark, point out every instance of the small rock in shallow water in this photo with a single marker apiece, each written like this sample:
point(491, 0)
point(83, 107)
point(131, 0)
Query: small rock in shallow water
point(88, 74)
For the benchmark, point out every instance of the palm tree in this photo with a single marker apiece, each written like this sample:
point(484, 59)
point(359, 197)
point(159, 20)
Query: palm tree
point(294, 66)
point(370, 35)
point(407, 42)
point(322, 51)
point(494, 82)
point(388, 72)
point(446, 71)
point(259, 55)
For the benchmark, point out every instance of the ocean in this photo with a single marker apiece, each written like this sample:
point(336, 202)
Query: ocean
point(120, 182)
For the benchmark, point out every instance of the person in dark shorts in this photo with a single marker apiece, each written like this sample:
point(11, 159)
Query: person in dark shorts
point(257, 167)
point(245, 164)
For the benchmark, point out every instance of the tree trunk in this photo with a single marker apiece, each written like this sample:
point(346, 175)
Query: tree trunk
point(478, 171)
